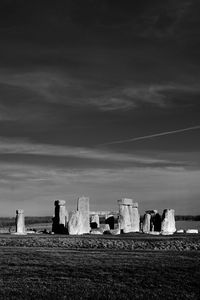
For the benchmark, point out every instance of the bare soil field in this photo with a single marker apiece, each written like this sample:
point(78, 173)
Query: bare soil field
point(106, 267)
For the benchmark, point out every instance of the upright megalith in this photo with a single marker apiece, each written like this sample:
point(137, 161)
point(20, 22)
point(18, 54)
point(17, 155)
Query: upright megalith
point(129, 218)
point(20, 224)
point(60, 217)
point(146, 224)
point(157, 222)
point(83, 206)
point(168, 222)
point(79, 221)
point(74, 223)
point(151, 221)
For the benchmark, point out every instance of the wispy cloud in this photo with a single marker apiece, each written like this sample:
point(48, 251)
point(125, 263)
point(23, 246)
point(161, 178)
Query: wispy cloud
point(61, 88)
point(17, 146)
point(34, 187)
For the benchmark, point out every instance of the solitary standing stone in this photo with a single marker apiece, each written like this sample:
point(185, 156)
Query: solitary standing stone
point(59, 220)
point(168, 222)
point(20, 226)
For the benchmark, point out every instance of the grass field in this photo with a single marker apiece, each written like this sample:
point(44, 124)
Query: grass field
point(60, 273)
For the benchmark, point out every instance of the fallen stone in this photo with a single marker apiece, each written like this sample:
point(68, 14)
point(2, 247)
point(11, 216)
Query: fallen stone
point(180, 231)
point(104, 227)
point(154, 232)
point(167, 233)
point(115, 231)
point(192, 231)
point(96, 231)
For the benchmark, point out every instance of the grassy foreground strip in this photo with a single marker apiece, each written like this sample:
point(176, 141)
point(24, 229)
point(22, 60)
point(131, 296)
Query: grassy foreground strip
point(49, 273)
point(123, 242)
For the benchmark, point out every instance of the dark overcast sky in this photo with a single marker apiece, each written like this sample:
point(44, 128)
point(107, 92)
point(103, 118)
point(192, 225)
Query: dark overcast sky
point(76, 76)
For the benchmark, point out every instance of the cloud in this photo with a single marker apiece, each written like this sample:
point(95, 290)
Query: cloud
point(35, 187)
point(60, 88)
point(23, 147)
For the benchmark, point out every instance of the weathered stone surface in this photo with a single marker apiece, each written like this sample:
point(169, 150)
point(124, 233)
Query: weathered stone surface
point(115, 231)
point(94, 222)
point(155, 220)
point(168, 222)
point(151, 212)
point(192, 231)
point(59, 219)
point(79, 221)
point(129, 218)
point(111, 221)
point(154, 232)
point(125, 201)
point(20, 225)
point(84, 209)
point(104, 227)
point(96, 231)
point(146, 223)
point(166, 233)
point(74, 223)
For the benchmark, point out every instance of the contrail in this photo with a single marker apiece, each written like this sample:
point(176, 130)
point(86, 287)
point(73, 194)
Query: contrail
point(145, 137)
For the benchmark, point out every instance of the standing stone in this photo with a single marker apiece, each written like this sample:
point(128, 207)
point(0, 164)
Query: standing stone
point(157, 222)
point(111, 221)
point(168, 222)
point(74, 223)
point(146, 223)
point(94, 223)
point(79, 221)
point(129, 219)
point(59, 220)
point(20, 225)
point(84, 209)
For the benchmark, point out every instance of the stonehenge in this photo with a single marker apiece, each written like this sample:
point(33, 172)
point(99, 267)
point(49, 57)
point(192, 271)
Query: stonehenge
point(125, 220)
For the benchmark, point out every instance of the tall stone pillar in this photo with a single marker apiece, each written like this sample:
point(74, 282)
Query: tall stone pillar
point(129, 219)
point(20, 225)
point(146, 223)
point(168, 222)
point(83, 207)
point(59, 220)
